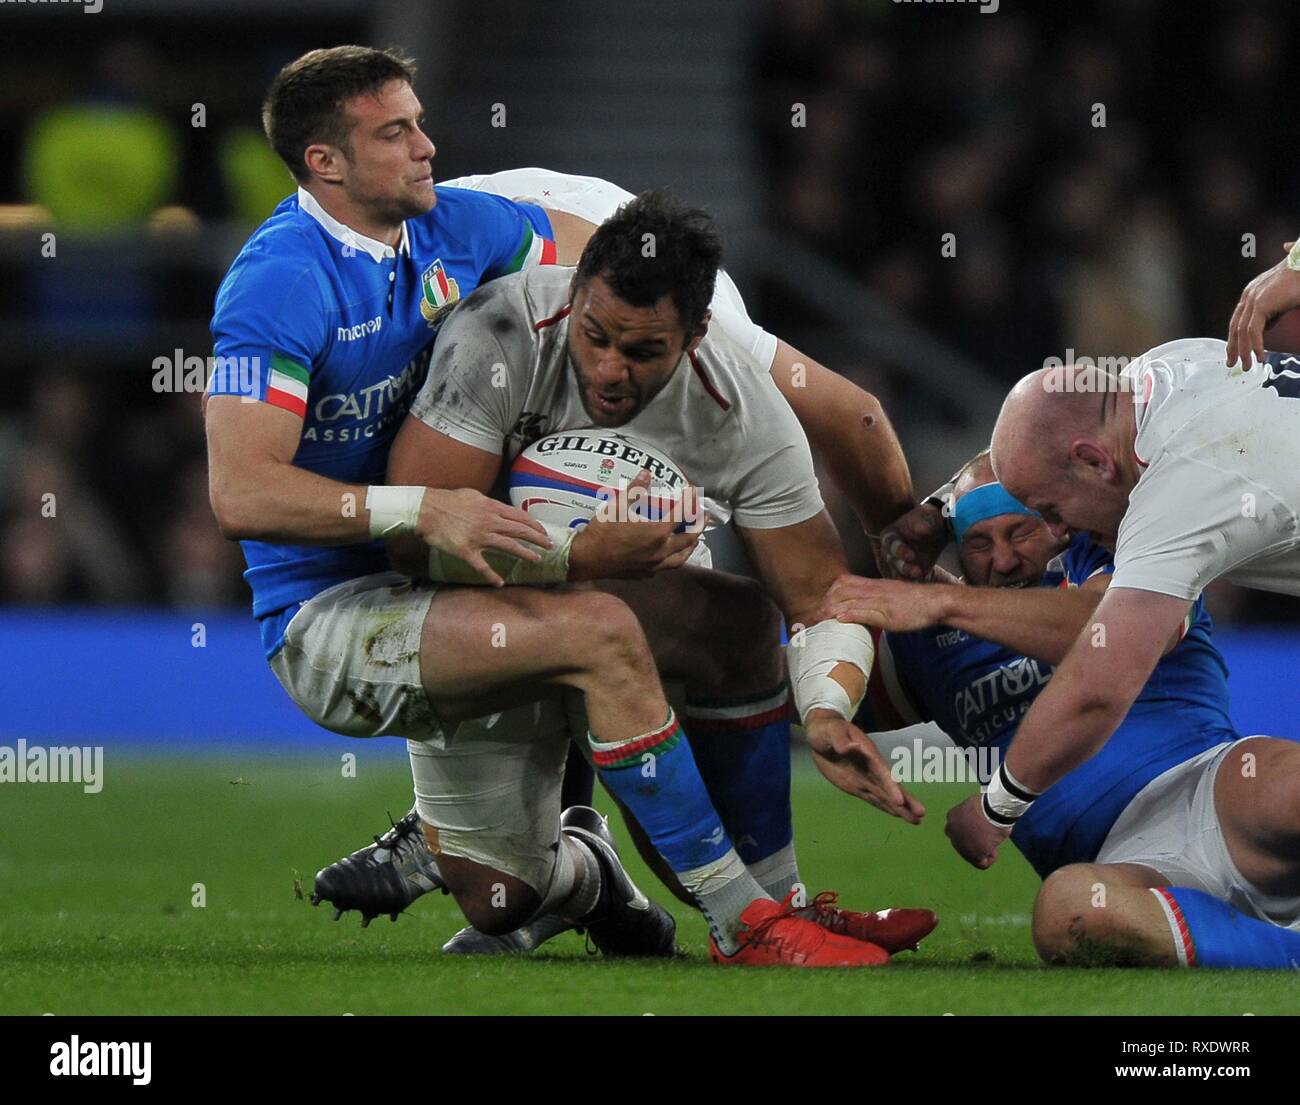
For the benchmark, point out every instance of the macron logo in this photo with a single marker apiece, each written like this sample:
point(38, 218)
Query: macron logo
point(361, 329)
point(89, 1058)
point(716, 837)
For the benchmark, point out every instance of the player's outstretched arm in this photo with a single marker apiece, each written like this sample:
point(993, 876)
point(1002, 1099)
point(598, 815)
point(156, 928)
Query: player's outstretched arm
point(849, 430)
point(258, 494)
point(1038, 622)
point(1076, 713)
point(829, 663)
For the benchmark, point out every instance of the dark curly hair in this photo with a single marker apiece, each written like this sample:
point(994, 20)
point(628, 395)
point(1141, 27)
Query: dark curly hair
point(653, 246)
point(304, 104)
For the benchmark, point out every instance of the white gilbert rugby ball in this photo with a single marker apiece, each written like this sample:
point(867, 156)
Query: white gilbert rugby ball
point(562, 479)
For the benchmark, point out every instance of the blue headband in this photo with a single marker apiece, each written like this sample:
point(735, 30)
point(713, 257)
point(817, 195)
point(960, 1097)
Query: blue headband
point(985, 502)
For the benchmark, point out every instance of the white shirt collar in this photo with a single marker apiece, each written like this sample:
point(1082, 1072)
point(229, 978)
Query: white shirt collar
point(377, 251)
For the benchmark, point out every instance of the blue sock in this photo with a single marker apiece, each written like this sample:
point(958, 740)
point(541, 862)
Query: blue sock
point(1210, 933)
point(742, 747)
point(655, 776)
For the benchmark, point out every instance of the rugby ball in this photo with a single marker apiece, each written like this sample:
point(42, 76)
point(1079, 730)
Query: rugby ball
point(563, 479)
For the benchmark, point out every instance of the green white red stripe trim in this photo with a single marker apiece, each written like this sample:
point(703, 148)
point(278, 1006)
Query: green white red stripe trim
point(628, 753)
point(287, 385)
point(533, 250)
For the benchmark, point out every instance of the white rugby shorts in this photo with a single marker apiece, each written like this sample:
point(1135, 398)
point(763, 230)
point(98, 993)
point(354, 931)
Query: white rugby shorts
point(1172, 826)
point(490, 786)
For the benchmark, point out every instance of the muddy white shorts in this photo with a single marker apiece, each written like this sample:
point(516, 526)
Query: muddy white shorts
point(351, 658)
point(490, 786)
point(1173, 827)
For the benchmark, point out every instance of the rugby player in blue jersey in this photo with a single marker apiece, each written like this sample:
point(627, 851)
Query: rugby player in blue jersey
point(1172, 810)
point(333, 301)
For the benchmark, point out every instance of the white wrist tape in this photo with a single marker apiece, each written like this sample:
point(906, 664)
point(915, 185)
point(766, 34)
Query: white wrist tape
point(814, 653)
point(393, 510)
point(552, 568)
point(1006, 799)
point(1293, 258)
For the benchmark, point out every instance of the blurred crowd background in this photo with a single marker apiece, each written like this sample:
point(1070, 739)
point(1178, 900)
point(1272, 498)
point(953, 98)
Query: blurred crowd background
point(919, 121)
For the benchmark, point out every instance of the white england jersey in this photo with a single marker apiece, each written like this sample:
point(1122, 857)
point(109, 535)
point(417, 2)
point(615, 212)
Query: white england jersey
point(501, 378)
point(595, 200)
point(1219, 492)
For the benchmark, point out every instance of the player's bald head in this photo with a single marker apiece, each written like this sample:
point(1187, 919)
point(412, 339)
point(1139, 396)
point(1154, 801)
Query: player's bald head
point(1063, 446)
point(1041, 418)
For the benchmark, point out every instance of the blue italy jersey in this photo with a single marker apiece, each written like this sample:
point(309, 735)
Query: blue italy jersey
point(977, 692)
point(337, 328)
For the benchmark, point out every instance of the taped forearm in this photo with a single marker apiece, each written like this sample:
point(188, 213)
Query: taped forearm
point(814, 654)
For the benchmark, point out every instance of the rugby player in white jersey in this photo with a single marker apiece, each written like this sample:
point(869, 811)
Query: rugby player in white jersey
point(850, 433)
point(1189, 471)
point(690, 625)
point(646, 358)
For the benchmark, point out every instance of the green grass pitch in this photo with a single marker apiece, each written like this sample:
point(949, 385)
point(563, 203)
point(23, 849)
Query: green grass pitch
point(96, 915)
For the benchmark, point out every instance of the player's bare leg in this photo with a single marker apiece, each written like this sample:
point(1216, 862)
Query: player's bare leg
point(592, 642)
point(718, 635)
point(1129, 914)
point(712, 633)
point(1257, 796)
point(484, 651)
point(1102, 914)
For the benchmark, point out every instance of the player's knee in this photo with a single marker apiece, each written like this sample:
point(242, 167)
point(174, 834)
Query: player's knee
point(610, 634)
point(1069, 914)
point(492, 901)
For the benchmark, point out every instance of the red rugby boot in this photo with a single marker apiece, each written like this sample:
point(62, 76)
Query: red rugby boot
point(895, 930)
point(775, 935)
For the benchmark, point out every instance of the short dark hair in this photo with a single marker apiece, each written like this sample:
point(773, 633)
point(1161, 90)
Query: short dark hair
point(304, 104)
point(653, 246)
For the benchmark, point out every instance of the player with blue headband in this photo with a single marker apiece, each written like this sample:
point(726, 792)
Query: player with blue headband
point(1177, 843)
point(981, 503)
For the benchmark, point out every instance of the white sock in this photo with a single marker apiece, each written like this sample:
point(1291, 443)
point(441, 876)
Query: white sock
point(723, 889)
point(585, 892)
point(778, 873)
